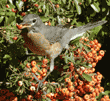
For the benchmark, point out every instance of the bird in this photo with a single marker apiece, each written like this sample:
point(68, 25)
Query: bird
point(49, 41)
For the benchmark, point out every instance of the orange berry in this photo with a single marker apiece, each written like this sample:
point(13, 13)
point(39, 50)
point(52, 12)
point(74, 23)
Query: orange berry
point(89, 54)
point(23, 14)
point(44, 66)
point(57, 5)
point(44, 61)
point(63, 90)
point(44, 96)
point(96, 48)
point(20, 83)
point(34, 69)
point(92, 43)
point(49, 23)
point(33, 84)
point(40, 71)
point(94, 56)
point(15, 38)
point(86, 97)
point(101, 89)
point(39, 10)
point(32, 88)
point(48, 95)
point(24, 0)
point(33, 63)
point(71, 64)
point(13, 10)
point(96, 59)
point(70, 95)
point(44, 70)
point(67, 93)
point(86, 39)
point(44, 74)
point(67, 80)
point(99, 77)
point(29, 97)
point(93, 94)
point(19, 26)
point(71, 88)
point(99, 45)
point(95, 41)
point(93, 51)
point(103, 99)
point(80, 3)
point(28, 65)
point(106, 97)
point(7, 6)
point(70, 83)
point(12, 98)
point(36, 5)
point(99, 57)
point(39, 77)
point(101, 52)
point(57, 89)
point(93, 64)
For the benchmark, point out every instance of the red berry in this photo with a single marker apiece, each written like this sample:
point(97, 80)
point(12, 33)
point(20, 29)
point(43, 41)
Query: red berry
point(15, 38)
point(36, 5)
point(39, 10)
point(13, 10)
point(19, 26)
point(7, 6)
point(23, 14)
point(24, 0)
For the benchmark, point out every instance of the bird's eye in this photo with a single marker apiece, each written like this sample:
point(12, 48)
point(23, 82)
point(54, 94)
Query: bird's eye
point(34, 20)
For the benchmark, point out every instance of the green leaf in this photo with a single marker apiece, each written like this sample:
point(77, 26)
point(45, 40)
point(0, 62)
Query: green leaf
point(107, 92)
point(93, 14)
point(10, 1)
point(26, 82)
point(1, 18)
point(53, 22)
point(78, 8)
point(48, 90)
point(44, 8)
point(44, 19)
point(47, 10)
point(88, 66)
point(108, 2)
point(88, 2)
point(73, 21)
point(95, 7)
point(19, 4)
point(18, 88)
point(6, 20)
point(66, 67)
point(6, 56)
point(69, 15)
point(10, 19)
point(99, 97)
point(76, 40)
point(66, 59)
point(2, 13)
point(87, 77)
point(64, 1)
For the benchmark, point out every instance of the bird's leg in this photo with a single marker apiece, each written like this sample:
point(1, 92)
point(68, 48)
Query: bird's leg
point(51, 69)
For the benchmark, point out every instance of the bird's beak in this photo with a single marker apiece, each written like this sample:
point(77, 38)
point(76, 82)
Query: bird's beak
point(23, 25)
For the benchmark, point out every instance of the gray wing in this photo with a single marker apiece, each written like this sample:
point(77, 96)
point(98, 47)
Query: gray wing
point(54, 34)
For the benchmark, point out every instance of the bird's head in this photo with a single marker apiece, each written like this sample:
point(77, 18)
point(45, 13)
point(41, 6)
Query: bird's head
point(29, 21)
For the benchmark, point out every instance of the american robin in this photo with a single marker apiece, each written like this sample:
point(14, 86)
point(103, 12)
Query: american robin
point(50, 40)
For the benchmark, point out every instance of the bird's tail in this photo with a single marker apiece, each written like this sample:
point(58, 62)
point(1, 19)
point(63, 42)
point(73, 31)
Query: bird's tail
point(76, 32)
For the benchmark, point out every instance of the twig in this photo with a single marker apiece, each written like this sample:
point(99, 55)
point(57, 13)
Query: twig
point(52, 5)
